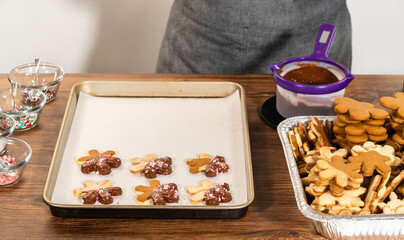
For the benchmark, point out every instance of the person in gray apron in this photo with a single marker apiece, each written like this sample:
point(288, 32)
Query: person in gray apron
point(246, 36)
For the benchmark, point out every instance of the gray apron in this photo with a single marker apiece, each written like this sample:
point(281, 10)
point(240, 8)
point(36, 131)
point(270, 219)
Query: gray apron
point(246, 36)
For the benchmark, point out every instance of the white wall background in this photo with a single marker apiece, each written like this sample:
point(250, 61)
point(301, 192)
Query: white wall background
point(123, 36)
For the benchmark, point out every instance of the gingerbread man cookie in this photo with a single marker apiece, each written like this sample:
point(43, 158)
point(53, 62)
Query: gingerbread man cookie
point(151, 166)
point(359, 111)
point(371, 161)
point(340, 171)
point(385, 150)
point(395, 104)
point(99, 163)
point(335, 175)
point(156, 193)
point(211, 167)
point(101, 192)
point(324, 153)
point(209, 193)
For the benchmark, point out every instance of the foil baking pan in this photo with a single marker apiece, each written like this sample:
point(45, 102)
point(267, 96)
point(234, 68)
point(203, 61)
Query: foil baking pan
point(125, 91)
point(375, 226)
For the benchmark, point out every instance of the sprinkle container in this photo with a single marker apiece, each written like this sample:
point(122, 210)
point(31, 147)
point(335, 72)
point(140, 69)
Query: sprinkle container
point(26, 109)
point(47, 80)
point(7, 125)
point(13, 160)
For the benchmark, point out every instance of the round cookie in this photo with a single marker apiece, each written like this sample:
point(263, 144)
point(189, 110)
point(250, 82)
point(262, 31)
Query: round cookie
point(396, 126)
point(339, 130)
point(378, 114)
point(393, 115)
point(357, 139)
point(376, 130)
point(355, 129)
point(346, 118)
point(378, 138)
point(375, 122)
point(336, 190)
point(359, 129)
point(337, 122)
point(397, 137)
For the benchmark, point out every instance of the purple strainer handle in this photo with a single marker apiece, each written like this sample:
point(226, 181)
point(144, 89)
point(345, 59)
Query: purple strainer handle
point(324, 40)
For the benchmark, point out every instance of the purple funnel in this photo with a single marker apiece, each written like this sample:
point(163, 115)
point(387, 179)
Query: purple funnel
point(318, 57)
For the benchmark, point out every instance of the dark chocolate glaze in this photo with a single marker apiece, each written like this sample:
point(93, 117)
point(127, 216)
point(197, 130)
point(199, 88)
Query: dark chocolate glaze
point(218, 194)
point(311, 74)
point(101, 165)
point(90, 197)
point(103, 195)
point(215, 166)
point(165, 193)
point(158, 166)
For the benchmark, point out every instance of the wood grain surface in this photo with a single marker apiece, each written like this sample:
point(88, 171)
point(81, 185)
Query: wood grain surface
point(272, 215)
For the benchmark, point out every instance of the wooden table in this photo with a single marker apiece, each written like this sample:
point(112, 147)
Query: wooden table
point(272, 215)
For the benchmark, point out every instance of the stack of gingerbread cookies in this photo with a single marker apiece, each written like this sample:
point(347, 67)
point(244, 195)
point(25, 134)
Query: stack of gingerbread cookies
point(358, 122)
point(361, 171)
point(396, 104)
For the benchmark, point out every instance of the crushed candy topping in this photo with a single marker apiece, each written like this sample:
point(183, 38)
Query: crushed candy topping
point(218, 194)
point(165, 193)
point(158, 166)
point(216, 166)
point(10, 176)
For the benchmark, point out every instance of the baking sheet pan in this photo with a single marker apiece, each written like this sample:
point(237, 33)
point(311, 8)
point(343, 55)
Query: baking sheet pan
point(176, 119)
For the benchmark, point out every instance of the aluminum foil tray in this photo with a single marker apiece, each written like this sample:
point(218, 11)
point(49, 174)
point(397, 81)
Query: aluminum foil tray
point(375, 226)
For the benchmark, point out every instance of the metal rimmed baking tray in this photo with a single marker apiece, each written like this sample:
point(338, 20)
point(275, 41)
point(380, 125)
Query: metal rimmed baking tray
point(173, 100)
point(377, 226)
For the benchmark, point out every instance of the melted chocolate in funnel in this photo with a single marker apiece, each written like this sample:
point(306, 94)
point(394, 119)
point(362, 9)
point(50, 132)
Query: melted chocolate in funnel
point(311, 74)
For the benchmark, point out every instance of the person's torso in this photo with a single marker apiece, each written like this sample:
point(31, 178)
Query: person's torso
point(265, 14)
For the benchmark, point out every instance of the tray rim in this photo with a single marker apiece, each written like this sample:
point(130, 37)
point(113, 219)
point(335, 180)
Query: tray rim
point(72, 100)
